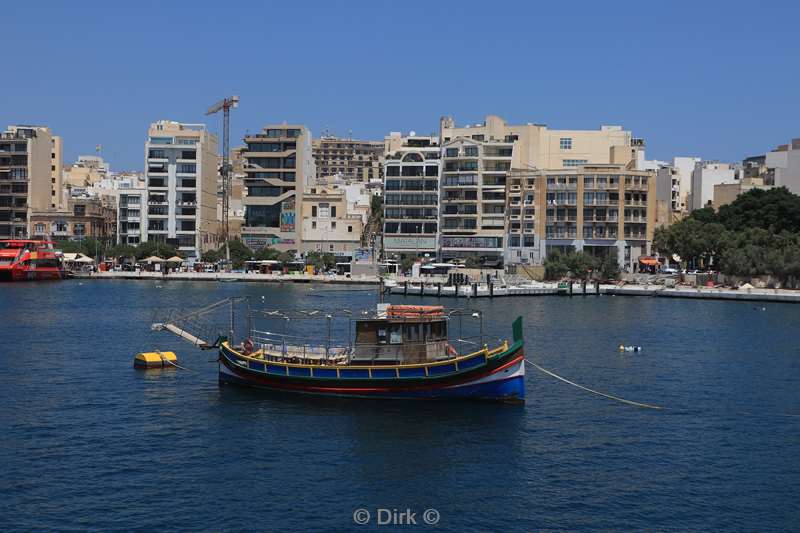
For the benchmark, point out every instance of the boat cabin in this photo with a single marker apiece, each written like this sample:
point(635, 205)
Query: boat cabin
point(402, 334)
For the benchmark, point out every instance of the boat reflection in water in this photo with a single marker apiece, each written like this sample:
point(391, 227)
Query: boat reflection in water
point(398, 352)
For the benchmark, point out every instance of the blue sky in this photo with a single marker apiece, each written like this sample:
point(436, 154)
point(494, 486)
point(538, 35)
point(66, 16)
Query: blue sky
point(720, 80)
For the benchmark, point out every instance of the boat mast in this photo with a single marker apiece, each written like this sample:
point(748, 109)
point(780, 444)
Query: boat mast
point(230, 337)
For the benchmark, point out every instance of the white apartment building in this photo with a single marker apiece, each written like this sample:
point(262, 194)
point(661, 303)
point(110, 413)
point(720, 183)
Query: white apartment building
point(411, 170)
point(181, 174)
point(705, 175)
point(684, 167)
point(131, 193)
point(785, 161)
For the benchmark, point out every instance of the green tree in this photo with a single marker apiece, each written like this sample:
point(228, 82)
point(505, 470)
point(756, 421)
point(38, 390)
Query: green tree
point(160, 249)
point(575, 264)
point(120, 251)
point(776, 210)
point(315, 259)
point(473, 261)
point(407, 263)
point(376, 206)
point(609, 268)
point(287, 256)
point(266, 254)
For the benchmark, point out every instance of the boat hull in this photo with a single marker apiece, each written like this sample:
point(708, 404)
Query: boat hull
point(482, 376)
point(19, 274)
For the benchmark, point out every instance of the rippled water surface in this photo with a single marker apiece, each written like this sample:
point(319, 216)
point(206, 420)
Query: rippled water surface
point(90, 443)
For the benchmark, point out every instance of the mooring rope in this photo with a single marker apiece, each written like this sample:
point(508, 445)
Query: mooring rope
point(610, 396)
point(176, 365)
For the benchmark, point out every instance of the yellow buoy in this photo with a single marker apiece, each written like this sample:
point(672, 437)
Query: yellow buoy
point(155, 360)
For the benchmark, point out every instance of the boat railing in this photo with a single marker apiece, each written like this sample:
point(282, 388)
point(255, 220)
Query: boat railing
point(277, 346)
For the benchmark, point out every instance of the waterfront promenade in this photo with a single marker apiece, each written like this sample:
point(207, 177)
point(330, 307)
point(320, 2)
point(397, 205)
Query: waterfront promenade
point(437, 288)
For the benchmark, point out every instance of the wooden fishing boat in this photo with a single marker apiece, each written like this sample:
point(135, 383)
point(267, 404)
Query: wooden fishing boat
point(399, 352)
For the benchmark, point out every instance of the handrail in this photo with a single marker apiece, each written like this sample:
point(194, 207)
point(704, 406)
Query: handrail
point(484, 351)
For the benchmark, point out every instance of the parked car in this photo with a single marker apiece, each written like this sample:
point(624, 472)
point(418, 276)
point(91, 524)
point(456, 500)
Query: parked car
point(669, 270)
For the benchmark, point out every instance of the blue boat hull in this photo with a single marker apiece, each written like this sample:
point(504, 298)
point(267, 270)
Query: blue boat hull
point(495, 377)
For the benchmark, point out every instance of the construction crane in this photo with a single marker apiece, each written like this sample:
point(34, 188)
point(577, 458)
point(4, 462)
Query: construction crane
point(225, 105)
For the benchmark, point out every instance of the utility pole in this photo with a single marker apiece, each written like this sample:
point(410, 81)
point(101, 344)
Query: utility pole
point(225, 105)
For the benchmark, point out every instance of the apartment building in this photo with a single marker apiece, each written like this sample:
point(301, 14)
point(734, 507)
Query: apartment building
point(29, 177)
point(131, 209)
point(726, 193)
point(278, 164)
point(478, 160)
point(56, 172)
point(332, 221)
point(599, 209)
point(349, 159)
point(784, 162)
point(87, 170)
point(181, 174)
point(705, 176)
point(412, 167)
point(82, 217)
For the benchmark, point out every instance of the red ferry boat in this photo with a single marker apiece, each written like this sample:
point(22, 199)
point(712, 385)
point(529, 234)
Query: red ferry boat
point(28, 260)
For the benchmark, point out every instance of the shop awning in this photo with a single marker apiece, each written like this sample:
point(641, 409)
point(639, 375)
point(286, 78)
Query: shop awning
point(649, 261)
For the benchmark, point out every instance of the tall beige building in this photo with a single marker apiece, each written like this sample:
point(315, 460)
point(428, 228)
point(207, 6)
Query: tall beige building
point(331, 222)
point(350, 159)
point(604, 210)
point(30, 170)
point(56, 173)
point(181, 175)
point(278, 164)
point(478, 160)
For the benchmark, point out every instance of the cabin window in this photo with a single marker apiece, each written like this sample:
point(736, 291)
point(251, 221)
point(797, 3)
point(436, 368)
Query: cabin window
point(381, 336)
point(413, 332)
point(396, 334)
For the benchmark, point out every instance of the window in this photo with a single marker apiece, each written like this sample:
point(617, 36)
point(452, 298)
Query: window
point(254, 190)
point(313, 224)
point(471, 151)
point(263, 216)
point(187, 168)
point(333, 225)
point(349, 229)
point(396, 334)
point(79, 210)
point(314, 213)
point(451, 152)
point(574, 162)
point(565, 143)
point(333, 211)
